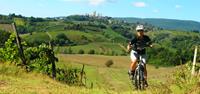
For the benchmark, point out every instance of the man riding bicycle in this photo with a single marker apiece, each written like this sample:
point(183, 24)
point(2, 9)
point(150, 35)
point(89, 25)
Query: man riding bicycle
point(136, 47)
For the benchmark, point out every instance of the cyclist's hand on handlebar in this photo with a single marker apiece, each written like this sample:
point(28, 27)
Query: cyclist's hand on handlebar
point(151, 45)
point(129, 46)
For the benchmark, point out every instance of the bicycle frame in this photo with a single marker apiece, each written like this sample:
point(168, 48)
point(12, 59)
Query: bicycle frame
point(138, 78)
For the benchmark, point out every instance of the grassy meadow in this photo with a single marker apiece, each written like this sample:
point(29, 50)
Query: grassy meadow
point(99, 78)
point(113, 80)
point(115, 77)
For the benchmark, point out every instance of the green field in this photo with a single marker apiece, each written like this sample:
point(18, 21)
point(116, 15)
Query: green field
point(101, 43)
point(98, 47)
point(80, 36)
point(116, 77)
point(113, 80)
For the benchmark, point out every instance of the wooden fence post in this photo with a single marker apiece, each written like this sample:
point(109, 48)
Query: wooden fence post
point(194, 60)
point(20, 48)
point(52, 62)
point(82, 73)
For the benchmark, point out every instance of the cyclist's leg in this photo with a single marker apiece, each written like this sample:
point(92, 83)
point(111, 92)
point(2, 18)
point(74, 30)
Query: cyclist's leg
point(145, 72)
point(133, 61)
point(145, 69)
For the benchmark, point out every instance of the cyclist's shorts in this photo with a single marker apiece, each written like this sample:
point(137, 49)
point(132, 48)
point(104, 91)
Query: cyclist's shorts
point(134, 55)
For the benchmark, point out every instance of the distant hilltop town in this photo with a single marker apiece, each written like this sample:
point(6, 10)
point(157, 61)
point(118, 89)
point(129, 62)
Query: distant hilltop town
point(94, 14)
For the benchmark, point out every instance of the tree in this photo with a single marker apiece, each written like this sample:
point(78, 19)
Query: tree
point(81, 51)
point(62, 39)
point(91, 51)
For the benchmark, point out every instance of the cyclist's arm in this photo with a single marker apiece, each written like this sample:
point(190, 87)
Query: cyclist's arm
point(149, 42)
point(130, 45)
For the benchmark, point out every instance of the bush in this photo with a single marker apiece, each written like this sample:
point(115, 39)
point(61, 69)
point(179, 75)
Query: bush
point(109, 63)
point(40, 58)
point(182, 81)
point(70, 51)
point(91, 52)
point(10, 52)
point(69, 76)
point(81, 51)
point(4, 37)
point(62, 39)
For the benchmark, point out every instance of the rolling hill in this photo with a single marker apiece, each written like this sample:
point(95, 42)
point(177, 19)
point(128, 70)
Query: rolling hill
point(171, 24)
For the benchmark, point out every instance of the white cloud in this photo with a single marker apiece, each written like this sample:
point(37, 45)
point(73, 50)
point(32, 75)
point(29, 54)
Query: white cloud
point(155, 11)
point(178, 6)
point(139, 4)
point(96, 2)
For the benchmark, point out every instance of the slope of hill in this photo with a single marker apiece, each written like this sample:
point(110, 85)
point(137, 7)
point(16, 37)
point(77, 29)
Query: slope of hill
point(171, 24)
point(6, 27)
point(14, 80)
point(113, 80)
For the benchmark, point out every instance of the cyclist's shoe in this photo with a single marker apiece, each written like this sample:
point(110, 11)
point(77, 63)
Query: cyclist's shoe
point(145, 83)
point(131, 74)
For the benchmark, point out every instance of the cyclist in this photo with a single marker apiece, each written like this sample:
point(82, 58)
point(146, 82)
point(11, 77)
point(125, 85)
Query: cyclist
point(136, 47)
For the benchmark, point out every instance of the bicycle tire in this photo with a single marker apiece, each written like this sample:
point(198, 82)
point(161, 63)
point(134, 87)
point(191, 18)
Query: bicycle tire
point(137, 79)
point(142, 87)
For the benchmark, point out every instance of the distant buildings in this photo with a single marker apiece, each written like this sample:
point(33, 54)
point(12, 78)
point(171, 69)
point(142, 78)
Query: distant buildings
point(94, 14)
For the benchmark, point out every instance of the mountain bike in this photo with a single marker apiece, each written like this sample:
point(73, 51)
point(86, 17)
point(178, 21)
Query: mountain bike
point(138, 78)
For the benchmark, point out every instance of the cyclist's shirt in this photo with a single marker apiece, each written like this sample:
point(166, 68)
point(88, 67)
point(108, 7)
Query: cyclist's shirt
point(140, 44)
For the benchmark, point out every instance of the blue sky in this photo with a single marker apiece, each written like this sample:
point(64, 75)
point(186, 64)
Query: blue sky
point(171, 9)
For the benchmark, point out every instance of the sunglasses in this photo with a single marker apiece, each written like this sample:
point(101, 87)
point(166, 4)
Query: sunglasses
point(140, 30)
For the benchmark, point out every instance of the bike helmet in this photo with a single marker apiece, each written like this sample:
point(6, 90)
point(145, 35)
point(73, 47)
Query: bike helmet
point(139, 27)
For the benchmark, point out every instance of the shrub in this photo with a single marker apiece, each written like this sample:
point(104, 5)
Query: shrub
point(40, 58)
point(10, 51)
point(91, 52)
point(109, 63)
point(4, 37)
point(62, 39)
point(81, 51)
point(70, 51)
point(69, 76)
